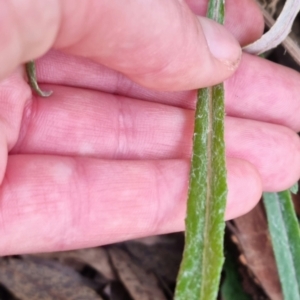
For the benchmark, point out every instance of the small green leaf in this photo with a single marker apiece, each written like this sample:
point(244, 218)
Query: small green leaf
point(285, 235)
point(202, 261)
point(294, 189)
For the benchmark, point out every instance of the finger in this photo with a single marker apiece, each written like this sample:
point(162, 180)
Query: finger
point(53, 203)
point(59, 68)
point(77, 122)
point(249, 14)
point(178, 43)
point(263, 90)
point(152, 42)
point(274, 151)
point(259, 90)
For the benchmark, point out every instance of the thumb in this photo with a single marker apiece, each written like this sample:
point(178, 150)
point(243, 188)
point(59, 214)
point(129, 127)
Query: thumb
point(159, 44)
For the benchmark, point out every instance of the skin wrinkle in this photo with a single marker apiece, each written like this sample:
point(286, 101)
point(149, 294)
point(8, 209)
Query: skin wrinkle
point(124, 84)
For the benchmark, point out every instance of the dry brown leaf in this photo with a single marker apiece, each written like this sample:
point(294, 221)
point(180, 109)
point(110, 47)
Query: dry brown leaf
point(94, 257)
point(161, 258)
point(140, 284)
point(151, 240)
point(117, 291)
point(253, 235)
point(271, 10)
point(98, 259)
point(38, 279)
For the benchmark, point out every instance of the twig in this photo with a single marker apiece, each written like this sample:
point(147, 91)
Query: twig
point(277, 34)
point(289, 43)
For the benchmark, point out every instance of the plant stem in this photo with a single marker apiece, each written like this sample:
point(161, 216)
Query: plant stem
point(31, 74)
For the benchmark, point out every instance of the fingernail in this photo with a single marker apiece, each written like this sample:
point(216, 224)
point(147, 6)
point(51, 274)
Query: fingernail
point(222, 45)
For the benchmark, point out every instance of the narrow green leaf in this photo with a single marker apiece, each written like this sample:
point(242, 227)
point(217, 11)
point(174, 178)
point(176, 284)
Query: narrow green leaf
point(294, 189)
point(202, 261)
point(216, 10)
point(285, 235)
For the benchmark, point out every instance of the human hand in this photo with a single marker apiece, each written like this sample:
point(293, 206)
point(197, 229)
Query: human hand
point(104, 159)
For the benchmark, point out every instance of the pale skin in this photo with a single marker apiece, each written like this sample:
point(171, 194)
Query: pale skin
point(106, 157)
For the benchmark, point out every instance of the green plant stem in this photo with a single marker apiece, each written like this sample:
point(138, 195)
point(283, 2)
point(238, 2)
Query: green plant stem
point(202, 261)
point(32, 80)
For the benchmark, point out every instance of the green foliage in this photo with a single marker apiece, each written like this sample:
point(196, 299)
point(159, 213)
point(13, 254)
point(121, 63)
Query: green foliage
point(285, 235)
point(202, 262)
